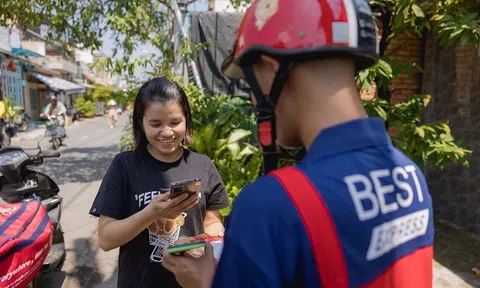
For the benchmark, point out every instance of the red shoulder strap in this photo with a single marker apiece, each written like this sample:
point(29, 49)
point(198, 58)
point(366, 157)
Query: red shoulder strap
point(318, 222)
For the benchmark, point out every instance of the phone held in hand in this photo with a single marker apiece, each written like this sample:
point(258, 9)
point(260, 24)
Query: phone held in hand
point(179, 249)
point(190, 186)
point(215, 241)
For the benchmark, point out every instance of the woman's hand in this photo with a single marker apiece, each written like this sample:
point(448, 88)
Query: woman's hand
point(162, 206)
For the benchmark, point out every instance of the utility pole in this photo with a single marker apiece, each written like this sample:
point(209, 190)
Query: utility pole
point(179, 20)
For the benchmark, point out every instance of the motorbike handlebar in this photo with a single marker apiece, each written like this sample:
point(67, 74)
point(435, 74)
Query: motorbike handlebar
point(51, 155)
point(38, 159)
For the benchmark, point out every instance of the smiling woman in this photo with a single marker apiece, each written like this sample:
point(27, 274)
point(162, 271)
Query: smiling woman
point(133, 203)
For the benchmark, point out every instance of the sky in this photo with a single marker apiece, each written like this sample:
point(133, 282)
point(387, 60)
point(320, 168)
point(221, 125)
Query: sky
point(108, 43)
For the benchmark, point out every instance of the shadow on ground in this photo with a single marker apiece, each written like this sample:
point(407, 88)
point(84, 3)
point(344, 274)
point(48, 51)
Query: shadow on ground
point(457, 250)
point(83, 165)
point(111, 282)
point(85, 272)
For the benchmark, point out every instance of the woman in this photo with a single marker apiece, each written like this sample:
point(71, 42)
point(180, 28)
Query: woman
point(133, 202)
point(112, 113)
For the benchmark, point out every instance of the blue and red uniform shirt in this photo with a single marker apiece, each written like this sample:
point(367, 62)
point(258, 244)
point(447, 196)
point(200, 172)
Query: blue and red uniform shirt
point(376, 196)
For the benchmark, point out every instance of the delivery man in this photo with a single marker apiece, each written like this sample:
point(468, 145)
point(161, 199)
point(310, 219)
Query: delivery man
point(355, 212)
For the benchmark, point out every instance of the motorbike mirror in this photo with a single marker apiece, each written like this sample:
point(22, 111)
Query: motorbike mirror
point(38, 145)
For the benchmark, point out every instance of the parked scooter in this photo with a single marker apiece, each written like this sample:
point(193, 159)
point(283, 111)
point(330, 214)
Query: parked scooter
point(12, 127)
point(19, 183)
point(22, 120)
point(8, 132)
point(15, 125)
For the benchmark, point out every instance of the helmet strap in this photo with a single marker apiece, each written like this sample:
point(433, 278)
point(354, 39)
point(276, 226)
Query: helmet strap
point(266, 112)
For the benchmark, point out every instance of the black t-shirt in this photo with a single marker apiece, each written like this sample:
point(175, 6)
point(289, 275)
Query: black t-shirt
point(131, 181)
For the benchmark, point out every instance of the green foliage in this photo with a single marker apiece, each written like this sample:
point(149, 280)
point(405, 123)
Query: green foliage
point(11, 110)
point(83, 24)
point(455, 28)
point(367, 76)
point(85, 108)
point(225, 131)
point(429, 144)
point(241, 3)
point(101, 93)
point(451, 20)
point(425, 143)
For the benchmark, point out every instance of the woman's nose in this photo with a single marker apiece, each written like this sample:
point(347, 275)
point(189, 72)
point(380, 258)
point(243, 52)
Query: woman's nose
point(166, 132)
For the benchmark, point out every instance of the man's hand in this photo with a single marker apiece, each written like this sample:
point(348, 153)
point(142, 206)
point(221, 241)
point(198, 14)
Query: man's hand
point(191, 272)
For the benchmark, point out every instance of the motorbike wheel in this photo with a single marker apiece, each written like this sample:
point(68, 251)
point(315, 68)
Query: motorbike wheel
point(55, 144)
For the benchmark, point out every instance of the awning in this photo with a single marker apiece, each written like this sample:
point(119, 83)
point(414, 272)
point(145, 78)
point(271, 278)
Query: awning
point(44, 71)
point(25, 52)
point(58, 84)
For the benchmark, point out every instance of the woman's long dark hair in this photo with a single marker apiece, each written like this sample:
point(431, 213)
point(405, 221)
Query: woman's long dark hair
point(159, 90)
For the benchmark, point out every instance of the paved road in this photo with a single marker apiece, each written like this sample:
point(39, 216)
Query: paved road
point(90, 149)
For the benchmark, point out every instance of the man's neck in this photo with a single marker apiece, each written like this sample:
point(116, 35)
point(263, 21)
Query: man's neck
point(320, 112)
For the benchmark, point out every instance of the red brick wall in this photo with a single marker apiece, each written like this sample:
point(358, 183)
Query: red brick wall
point(403, 49)
point(465, 71)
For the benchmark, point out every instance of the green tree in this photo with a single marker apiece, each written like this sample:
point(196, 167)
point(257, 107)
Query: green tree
point(82, 24)
point(101, 93)
point(85, 107)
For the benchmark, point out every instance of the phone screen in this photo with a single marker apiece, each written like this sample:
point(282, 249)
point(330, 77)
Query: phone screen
point(181, 248)
point(190, 186)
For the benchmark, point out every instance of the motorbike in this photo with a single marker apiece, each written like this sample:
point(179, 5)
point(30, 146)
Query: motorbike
point(22, 121)
point(13, 126)
point(20, 183)
point(55, 129)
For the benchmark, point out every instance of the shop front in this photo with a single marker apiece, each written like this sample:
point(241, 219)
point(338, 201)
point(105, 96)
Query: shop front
point(11, 81)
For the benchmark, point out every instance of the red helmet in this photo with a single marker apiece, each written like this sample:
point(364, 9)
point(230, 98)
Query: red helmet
point(304, 30)
point(293, 31)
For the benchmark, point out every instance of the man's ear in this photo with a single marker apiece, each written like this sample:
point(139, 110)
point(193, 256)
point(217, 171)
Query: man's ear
point(270, 62)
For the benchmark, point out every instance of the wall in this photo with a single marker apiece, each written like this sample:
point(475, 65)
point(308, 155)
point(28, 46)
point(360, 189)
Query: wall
point(452, 77)
point(405, 49)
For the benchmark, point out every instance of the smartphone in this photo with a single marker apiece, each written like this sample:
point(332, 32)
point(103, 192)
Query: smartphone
point(182, 248)
point(190, 186)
